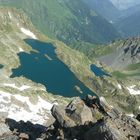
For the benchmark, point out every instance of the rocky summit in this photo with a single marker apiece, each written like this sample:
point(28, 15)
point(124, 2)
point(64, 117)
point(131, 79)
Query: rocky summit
point(82, 119)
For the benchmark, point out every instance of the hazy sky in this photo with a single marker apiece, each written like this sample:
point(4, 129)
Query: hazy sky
point(123, 4)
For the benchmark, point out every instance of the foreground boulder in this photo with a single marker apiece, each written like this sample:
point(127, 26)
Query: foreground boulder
point(61, 117)
point(78, 111)
point(103, 131)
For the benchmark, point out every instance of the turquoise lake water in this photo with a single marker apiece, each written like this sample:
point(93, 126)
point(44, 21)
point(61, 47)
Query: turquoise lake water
point(44, 67)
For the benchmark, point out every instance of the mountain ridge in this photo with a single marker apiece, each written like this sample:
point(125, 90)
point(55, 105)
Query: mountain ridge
point(122, 5)
point(105, 8)
point(129, 26)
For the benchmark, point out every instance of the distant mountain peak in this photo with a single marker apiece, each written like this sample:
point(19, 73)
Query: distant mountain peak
point(124, 4)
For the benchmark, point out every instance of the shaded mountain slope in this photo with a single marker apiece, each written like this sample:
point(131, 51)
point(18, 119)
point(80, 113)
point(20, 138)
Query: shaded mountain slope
point(130, 11)
point(129, 26)
point(68, 21)
point(121, 4)
point(105, 8)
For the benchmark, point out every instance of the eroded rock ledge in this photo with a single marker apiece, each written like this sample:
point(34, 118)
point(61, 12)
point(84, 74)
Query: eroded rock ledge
point(89, 119)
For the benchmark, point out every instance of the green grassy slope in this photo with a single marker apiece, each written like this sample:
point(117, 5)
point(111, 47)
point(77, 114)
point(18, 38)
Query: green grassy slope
point(68, 21)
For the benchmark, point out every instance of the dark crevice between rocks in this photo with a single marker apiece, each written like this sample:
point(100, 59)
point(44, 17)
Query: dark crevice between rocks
point(1, 66)
point(28, 129)
point(81, 132)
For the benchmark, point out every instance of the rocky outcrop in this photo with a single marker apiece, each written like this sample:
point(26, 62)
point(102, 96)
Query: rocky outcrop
point(88, 119)
point(93, 119)
point(125, 53)
point(61, 117)
point(77, 109)
point(131, 46)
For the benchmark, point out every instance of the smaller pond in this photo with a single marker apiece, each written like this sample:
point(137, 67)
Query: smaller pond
point(98, 71)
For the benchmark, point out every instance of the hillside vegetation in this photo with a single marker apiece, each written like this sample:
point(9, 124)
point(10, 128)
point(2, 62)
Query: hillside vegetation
point(66, 20)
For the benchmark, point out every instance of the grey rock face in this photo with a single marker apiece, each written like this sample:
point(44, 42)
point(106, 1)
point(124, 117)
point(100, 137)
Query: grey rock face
point(76, 113)
point(124, 55)
point(4, 129)
point(61, 117)
point(105, 131)
point(95, 120)
point(79, 112)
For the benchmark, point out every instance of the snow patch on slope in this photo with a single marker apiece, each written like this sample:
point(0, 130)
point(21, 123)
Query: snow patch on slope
point(10, 15)
point(21, 50)
point(132, 91)
point(28, 33)
point(22, 88)
point(131, 115)
point(17, 109)
point(119, 86)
